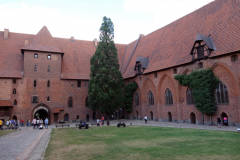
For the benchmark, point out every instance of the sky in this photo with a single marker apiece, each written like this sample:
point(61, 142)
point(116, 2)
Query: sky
point(82, 18)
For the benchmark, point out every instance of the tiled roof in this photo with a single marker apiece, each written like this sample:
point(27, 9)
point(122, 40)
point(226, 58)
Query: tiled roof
point(5, 103)
point(43, 41)
point(166, 47)
point(171, 45)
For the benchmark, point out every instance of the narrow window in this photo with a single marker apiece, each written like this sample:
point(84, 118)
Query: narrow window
point(35, 55)
point(34, 83)
point(136, 99)
point(14, 91)
point(200, 51)
point(48, 99)
point(155, 75)
point(70, 102)
point(48, 83)
point(234, 58)
point(86, 103)
point(34, 99)
point(168, 97)
point(49, 57)
point(15, 102)
point(14, 80)
point(175, 71)
point(150, 98)
point(190, 98)
point(35, 68)
point(140, 78)
point(222, 94)
point(200, 65)
point(48, 68)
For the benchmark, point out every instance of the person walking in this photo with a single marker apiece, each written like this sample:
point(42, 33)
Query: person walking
point(145, 118)
point(7, 123)
point(46, 123)
point(102, 120)
point(34, 123)
point(21, 122)
point(225, 121)
point(219, 121)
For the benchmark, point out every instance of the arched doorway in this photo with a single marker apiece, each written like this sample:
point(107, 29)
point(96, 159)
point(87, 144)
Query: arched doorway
point(137, 114)
point(94, 115)
point(151, 115)
point(41, 112)
point(66, 117)
point(224, 115)
point(169, 117)
point(193, 118)
point(14, 117)
point(87, 118)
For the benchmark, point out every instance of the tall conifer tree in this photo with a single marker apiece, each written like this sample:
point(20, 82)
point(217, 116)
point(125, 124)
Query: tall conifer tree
point(106, 81)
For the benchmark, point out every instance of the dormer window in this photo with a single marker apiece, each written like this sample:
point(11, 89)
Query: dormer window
point(138, 68)
point(202, 47)
point(141, 64)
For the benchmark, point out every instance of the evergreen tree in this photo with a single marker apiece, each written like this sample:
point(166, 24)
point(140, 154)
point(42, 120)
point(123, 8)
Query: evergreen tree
point(106, 81)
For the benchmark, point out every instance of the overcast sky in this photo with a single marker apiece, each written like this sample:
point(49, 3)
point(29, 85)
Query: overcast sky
point(82, 18)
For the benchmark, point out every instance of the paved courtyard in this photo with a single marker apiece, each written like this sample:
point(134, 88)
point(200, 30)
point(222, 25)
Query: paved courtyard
point(30, 144)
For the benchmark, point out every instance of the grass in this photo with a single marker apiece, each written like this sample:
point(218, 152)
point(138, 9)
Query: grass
point(4, 132)
point(142, 142)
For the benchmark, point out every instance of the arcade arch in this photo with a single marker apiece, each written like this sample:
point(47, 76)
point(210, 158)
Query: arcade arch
point(41, 111)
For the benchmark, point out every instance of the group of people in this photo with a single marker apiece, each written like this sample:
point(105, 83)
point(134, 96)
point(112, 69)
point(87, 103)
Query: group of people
point(219, 121)
point(100, 122)
point(38, 123)
point(13, 123)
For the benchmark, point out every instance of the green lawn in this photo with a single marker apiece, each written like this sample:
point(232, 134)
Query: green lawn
point(142, 142)
point(3, 132)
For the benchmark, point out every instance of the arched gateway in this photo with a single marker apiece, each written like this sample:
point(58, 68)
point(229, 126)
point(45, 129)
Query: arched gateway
point(41, 111)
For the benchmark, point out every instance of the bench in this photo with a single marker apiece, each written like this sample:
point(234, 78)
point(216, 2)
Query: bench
point(95, 123)
point(121, 124)
point(59, 125)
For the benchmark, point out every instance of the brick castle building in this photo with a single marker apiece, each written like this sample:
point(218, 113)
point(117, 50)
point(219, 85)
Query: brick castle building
point(48, 77)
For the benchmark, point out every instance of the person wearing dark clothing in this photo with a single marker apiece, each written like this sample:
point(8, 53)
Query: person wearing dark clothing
point(219, 121)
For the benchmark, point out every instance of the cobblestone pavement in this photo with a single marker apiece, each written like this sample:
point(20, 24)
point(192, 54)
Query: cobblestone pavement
point(14, 143)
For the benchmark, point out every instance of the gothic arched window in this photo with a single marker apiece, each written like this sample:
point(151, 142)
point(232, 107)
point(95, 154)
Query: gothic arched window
point(34, 83)
point(35, 68)
point(48, 83)
point(168, 97)
point(150, 98)
point(136, 99)
point(190, 98)
point(14, 91)
point(15, 102)
point(222, 94)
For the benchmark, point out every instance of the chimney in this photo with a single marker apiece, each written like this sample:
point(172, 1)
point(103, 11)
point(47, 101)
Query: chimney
point(95, 42)
point(72, 39)
point(6, 31)
point(26, 42)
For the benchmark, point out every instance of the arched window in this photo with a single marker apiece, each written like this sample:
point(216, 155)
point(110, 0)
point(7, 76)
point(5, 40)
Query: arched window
point(150, 98)
point(190, 98)
point(66, 117)
point(48, 68)
point(168, 97)
point(86, 103)
point(200, 65)
point(15, 102)
point(48, 99)
point(34, 83)
point(14, 91)
point(48, 83)
point(70, 102)
point(35, 55)
point(222, 94)
point(136, 99)
point(35, 68)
